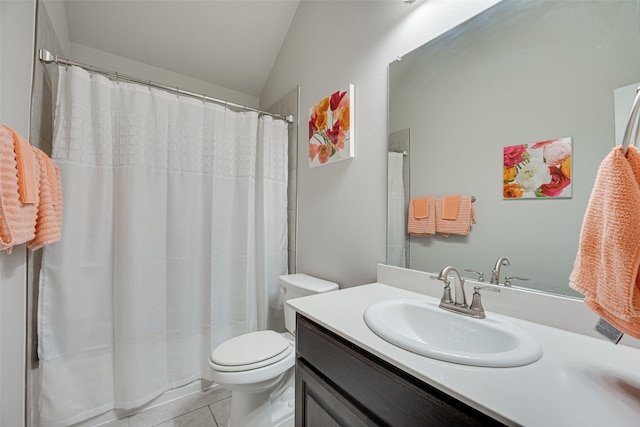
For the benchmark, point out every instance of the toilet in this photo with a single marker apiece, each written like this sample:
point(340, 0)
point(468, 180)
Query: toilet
point(258, 367)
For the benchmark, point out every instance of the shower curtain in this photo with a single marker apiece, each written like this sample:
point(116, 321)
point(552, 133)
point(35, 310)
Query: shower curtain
point(174, 235)
point(396, 211)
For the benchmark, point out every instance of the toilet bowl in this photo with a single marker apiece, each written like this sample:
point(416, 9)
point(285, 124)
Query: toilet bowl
point(258, 367)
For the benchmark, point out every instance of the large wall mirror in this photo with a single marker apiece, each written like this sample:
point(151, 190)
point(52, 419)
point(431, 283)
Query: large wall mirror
point(519, 73)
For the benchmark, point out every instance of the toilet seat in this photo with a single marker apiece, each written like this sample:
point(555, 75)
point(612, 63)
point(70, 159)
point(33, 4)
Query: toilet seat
point(250, 351)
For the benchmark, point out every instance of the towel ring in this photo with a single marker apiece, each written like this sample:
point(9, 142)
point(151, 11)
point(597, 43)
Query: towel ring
point(629, 129)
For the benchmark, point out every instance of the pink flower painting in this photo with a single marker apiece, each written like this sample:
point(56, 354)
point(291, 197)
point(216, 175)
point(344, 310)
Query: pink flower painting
point(331, 136)
point(540, 170)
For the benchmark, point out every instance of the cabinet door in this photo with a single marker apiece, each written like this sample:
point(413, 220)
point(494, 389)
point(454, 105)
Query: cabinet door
point(319, 405)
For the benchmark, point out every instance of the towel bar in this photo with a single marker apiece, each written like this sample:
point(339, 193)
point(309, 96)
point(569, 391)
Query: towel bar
point(629, 129)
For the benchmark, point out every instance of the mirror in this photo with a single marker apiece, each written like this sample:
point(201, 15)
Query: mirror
point(519, 73)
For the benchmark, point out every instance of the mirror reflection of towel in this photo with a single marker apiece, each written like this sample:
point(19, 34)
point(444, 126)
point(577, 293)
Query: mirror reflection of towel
point(450, 207)
point(422, 227)
point(420, 208)
point(466, 216)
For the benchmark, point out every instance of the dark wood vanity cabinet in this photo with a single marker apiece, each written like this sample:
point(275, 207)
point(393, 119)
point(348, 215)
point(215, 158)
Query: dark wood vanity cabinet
point(340, 384)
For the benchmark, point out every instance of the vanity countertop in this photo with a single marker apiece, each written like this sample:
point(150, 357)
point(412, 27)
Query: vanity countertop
point(579, 381)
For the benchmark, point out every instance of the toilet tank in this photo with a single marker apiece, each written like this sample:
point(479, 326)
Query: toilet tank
point(300, 285)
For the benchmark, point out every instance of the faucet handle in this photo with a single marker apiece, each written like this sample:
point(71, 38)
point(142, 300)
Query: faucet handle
point(507, 280)
point(479, 273)
point(485, 288)
point(446, 294)
point(476, 301)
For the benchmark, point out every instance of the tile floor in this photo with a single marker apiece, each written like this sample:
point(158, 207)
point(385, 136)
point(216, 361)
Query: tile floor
point(206, 409)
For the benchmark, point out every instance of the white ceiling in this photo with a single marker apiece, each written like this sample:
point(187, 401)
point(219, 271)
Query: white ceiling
point(229, 43)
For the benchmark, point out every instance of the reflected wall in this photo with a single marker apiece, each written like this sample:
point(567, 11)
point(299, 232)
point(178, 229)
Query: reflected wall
point(521, 72)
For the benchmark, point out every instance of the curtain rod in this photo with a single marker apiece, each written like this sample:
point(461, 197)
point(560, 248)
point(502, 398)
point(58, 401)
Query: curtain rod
point(48, 58)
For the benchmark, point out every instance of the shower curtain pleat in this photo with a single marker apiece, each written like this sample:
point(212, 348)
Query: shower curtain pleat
point(173, 240)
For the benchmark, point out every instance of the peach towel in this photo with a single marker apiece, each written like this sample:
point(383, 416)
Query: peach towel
point(49, 219)
point(26, 166)
point(17, 220)
point(423, 227)
point(608, 258)
point(421, 208)
point(450, 207)
point(461, 225)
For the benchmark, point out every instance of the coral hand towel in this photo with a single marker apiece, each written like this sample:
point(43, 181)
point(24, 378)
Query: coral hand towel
point(421, 208)
point(49, 219)
point(423, 227)
point(450, 206)
point(466, 216)
point(17, 220)
point(608, 259)
point(26, 166)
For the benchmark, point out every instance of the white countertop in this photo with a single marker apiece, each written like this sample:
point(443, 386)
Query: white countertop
point(579, 381)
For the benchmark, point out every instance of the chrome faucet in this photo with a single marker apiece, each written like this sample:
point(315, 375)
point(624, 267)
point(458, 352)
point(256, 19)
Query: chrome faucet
point(460, 298)
point(495, 274)
point(459, 303)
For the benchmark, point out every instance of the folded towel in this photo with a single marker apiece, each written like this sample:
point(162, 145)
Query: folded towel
point(608, 258)
point(17, 220)
point(423, 227)
point(420, 208)
point(26, 166)
point(49, 219)
point(450, 207)
point(462, 224)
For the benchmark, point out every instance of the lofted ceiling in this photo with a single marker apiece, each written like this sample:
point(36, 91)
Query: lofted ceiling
point(229, 43)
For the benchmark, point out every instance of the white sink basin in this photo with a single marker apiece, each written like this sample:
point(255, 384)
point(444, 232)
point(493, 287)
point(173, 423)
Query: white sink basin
point(422, 327)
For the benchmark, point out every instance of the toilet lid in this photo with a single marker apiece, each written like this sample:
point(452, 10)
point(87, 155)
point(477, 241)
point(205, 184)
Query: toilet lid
point(253, 349)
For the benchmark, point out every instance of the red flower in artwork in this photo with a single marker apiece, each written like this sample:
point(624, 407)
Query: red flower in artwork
point(514, 155)
point(329, 125)
point(558, 183)
point(336, 136)
point(335, 100)
point(324, 152)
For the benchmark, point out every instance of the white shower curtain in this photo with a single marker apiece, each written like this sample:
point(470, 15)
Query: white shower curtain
point(174, 234)
point(396, 211)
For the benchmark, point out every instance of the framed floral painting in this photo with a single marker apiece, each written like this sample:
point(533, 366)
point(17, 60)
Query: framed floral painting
point(331, 136)
point(540, 170)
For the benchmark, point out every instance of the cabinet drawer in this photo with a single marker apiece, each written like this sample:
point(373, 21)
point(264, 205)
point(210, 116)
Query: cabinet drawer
point(378, 387)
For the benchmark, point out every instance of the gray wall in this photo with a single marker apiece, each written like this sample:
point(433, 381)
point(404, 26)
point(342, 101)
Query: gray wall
point(342, 207)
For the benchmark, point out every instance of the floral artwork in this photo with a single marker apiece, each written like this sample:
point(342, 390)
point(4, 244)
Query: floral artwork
point(331, 129)
point(540, 170)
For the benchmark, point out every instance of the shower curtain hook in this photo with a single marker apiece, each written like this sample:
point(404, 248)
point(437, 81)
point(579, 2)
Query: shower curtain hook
point(204, 98)
point(177, 92)
point(117, 78)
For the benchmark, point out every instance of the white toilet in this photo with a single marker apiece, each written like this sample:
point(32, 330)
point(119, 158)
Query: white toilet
point(258, 367)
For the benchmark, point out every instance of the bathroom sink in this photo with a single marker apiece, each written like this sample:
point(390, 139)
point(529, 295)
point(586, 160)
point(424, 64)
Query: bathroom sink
point(422, 327)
